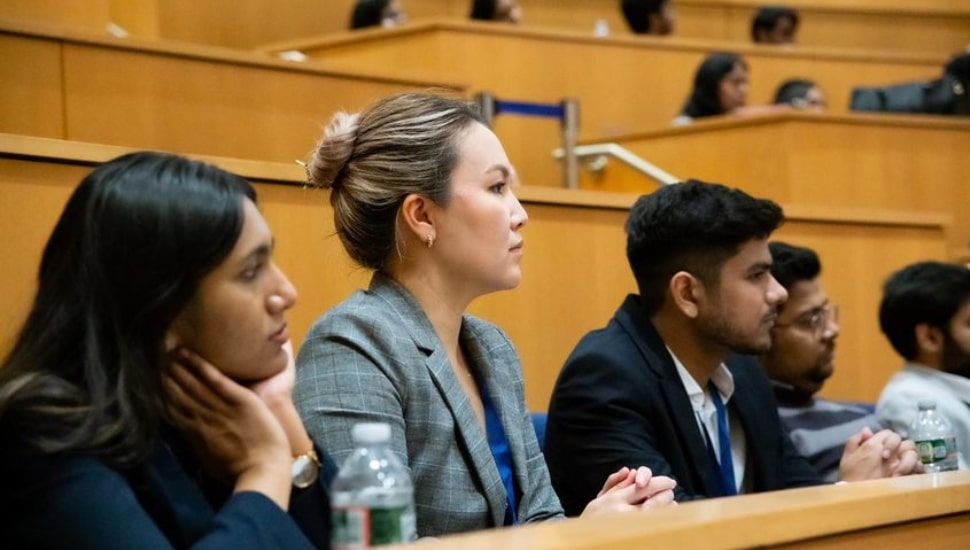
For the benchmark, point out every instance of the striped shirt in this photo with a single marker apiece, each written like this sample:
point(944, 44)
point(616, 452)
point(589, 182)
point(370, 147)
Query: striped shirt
point(819, 428)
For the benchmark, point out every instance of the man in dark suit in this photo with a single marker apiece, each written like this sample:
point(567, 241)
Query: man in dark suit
point(663, 385)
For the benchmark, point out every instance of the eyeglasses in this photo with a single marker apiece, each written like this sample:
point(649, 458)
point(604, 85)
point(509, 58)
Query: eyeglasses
point(815, 320)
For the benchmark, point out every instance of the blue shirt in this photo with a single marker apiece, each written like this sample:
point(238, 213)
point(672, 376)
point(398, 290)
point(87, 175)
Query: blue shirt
point(499, 446)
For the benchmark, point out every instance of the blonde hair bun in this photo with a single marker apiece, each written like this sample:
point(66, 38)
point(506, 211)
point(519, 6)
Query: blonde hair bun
point(334, 150)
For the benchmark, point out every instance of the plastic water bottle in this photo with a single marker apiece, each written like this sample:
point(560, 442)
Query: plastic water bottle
point(935, 442)
point(372, 496)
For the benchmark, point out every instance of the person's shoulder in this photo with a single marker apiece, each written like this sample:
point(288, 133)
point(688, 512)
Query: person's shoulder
point(39, 477)
point(748, 374)
point(481, 327)
point(912, 380)
point(609, 351)
point(361, 311)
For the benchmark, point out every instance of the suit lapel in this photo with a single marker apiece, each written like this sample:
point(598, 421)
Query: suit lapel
point(493, 367)
point(746, 410)
point(471, 437)
point(678, 406)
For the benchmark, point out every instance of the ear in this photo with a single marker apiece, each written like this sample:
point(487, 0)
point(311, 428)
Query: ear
point(686, 292)
point(929, 339)
point(417, 213)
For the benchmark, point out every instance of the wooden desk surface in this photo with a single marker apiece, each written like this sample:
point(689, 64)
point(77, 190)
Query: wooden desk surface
point(848, 515)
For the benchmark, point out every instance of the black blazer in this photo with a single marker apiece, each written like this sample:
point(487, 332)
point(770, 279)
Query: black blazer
point(620, 402)
point(79, 502)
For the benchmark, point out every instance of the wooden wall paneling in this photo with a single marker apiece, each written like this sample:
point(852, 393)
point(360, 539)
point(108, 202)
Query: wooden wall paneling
point(193, 105)
point(91, 15)
point(862, 161)
point(31, 87)
point(624, 85)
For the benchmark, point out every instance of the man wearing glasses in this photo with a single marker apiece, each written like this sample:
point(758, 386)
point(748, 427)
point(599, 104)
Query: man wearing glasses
point(801, 359)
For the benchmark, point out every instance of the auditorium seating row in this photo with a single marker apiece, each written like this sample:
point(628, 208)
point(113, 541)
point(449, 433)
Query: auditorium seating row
point(623, 85)
point(181, 97)
point(575, 247)
point(941, 26)
point(66, 98)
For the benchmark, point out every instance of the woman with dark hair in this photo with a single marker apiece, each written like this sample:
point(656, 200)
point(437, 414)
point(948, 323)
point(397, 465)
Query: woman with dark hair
point(720, 87)
point(506, 11)
point(422, 194)
point(146, 402)
point(377, 13)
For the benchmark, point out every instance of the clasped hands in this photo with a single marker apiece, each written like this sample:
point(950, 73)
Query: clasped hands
point(629, 489)
point(869, 455)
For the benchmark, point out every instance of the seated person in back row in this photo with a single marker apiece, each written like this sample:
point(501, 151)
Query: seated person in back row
point(801, 358)
point(925, 314)
point(774, 25)
point(800, 94)
point(721, 88)
point(377, 13)
point(663, 384)
point(503, 11)
point(649, 16)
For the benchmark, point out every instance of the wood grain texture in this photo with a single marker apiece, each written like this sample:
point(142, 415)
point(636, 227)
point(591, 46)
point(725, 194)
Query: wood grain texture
point(925, 511)
point(623, 84)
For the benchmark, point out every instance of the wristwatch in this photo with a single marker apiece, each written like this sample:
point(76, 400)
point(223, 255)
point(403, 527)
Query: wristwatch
point(305, 469)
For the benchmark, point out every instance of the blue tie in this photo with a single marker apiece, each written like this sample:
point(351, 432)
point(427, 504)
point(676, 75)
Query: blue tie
point(728, 486)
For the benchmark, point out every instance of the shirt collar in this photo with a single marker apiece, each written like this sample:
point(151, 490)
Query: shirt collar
point(722, 379)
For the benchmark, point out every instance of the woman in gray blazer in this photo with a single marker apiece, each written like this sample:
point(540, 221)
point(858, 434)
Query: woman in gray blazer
point(421, 192)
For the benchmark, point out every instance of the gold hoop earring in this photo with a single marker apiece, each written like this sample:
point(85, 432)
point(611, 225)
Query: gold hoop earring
point(430, 240)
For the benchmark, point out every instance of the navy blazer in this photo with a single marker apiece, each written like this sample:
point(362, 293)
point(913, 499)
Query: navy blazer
point(78, 502)
point(620, 402)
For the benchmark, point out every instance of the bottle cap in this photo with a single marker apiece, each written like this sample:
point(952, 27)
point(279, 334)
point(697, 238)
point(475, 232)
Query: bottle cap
point(926, 404)
point(371, 432)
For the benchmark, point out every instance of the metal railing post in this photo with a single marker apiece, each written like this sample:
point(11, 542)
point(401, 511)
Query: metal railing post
point(486, 106)
point(570, 136)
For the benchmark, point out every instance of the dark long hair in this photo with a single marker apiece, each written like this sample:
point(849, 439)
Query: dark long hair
point(483, 10)
point(367, 13)
point(124, 259)
point(637, 13)
point(705, 98)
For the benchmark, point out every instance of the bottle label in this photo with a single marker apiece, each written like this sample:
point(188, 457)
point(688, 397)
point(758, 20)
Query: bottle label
point(363, 527)
point(935, 450)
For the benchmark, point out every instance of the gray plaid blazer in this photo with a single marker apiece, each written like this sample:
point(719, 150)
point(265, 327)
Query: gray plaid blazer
point(376, 358)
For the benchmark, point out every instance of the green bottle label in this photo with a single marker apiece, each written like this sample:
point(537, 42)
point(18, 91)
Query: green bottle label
point(363, 527)
point(932, 450)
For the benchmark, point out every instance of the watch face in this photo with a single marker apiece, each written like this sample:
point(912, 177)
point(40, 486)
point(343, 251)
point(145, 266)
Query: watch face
point(303, 472)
